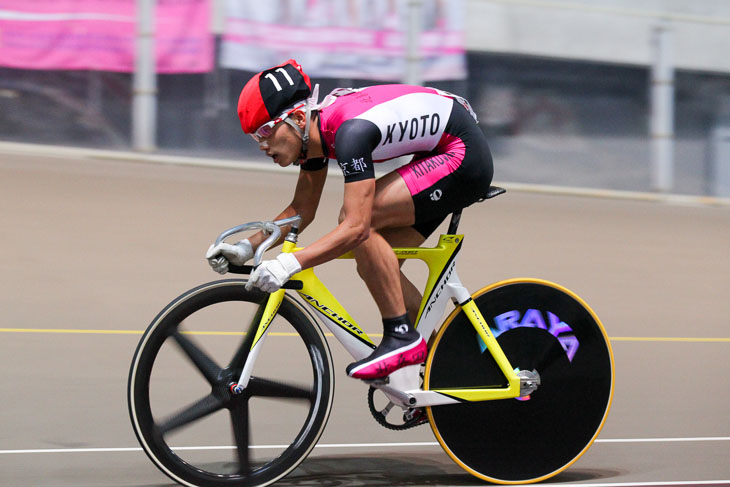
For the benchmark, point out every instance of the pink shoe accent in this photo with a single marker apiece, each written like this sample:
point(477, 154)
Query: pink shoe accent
point(390, 362)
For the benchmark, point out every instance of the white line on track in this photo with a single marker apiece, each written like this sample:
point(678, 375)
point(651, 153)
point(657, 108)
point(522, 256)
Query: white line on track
point(424, 444)
point(662, 440)
point(347, 445)
point(649, 484)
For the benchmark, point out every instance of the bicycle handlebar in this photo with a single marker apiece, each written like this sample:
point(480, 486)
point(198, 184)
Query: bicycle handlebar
point(271, 228)
point(248, 269)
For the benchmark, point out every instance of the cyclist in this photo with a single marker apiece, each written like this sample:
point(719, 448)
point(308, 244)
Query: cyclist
point(451, 169)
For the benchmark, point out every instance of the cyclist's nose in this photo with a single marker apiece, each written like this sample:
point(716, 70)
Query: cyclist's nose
point(264, 145)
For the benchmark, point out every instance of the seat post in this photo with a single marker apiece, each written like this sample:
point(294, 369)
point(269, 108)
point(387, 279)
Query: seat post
point(456, 216)
point(455, 219)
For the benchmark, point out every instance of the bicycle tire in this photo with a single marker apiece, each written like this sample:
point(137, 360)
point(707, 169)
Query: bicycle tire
point(523, 440)
point(158, 382)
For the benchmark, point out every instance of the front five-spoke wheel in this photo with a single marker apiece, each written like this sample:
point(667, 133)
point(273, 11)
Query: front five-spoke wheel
point(184, 410)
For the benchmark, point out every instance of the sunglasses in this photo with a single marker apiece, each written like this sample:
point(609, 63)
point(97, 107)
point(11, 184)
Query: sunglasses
point(265, 131)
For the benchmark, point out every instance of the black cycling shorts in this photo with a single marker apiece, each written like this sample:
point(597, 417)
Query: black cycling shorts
point(456, 174)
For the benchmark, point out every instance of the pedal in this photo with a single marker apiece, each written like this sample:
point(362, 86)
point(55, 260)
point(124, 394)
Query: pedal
point(414, 417)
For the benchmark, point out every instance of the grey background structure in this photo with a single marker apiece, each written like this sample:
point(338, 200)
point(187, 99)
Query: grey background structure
point(562, 88)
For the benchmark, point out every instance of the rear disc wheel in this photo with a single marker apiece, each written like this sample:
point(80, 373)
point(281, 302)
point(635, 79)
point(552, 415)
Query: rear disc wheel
point(547, 332)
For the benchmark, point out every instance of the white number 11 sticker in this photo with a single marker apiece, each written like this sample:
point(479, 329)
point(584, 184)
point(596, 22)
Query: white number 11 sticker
point(276, 82)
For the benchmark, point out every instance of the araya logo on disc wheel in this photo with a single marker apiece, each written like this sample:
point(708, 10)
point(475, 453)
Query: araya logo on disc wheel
point(534, 318)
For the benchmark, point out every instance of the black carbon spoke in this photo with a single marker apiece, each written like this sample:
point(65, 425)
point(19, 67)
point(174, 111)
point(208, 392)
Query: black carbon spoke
point(202, 361)
point(239, 421)
point(268, 388)
point(199, 409)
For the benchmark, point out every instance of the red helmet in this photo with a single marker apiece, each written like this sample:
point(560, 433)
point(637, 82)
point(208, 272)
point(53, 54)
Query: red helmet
point(268, 93)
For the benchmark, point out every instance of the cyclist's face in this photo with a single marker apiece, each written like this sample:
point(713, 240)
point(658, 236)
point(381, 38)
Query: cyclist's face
point(284, 145)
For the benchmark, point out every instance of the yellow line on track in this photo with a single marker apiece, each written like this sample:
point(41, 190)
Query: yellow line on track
point(237, 333)
point(131, 332)
point(62, 330)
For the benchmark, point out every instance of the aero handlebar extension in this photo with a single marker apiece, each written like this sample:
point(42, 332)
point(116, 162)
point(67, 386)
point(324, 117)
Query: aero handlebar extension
point(270, 228)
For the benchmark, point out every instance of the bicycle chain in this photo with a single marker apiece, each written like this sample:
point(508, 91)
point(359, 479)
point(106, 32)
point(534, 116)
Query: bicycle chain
point(419, 415)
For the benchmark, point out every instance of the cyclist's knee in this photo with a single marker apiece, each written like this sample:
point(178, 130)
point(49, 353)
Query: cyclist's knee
point(361, 271)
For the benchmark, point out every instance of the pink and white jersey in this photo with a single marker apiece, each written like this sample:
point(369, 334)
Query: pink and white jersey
point(411, 119)
point(452, 164)
point(360, 127)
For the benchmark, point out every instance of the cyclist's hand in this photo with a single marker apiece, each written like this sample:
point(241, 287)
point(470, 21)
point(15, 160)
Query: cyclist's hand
point(272, 274)
point(220, 255)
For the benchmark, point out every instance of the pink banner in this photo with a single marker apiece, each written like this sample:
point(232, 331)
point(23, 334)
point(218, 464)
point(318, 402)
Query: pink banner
point(101, 35)
point(363, 39)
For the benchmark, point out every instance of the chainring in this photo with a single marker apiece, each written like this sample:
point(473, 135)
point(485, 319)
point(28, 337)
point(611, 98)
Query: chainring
point(411, 417)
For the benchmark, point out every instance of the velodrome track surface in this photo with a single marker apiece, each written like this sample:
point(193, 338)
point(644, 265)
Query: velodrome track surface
point(92, 249)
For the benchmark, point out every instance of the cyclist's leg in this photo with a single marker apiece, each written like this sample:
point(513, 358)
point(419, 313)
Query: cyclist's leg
point(412, 236)
point(406, 237)
point(378, 266)
point(401, 237)
point(392, 209)
point(394, 223)
point(376, 263)
point(417, 194)
point(420, 195)
point(455, 175)
point(394, 219)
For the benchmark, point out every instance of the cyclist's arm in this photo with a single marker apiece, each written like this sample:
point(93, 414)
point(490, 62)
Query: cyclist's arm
point(352, 231)
point(355, 141)
point(307, 195)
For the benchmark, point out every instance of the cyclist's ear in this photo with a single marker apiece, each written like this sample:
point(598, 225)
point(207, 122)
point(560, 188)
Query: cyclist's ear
point(300, 117)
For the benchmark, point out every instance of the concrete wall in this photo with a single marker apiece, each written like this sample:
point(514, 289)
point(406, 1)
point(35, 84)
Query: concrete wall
point(615, 31)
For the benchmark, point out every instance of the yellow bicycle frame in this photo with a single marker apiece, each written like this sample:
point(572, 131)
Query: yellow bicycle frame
point(442, 284)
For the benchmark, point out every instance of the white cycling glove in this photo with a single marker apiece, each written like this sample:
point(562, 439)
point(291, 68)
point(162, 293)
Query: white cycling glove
point(272, 274)
point(220, 255)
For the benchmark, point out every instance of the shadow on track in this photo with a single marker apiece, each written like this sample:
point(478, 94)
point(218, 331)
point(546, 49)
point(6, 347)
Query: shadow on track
point(375, 471)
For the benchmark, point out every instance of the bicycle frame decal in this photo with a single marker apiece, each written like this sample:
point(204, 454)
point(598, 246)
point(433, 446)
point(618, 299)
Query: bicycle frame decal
point(339, 321)
point(441, 262)
point(333, 315)
point(533, 318)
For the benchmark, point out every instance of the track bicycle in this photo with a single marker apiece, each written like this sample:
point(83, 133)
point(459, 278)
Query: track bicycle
point(516, 385)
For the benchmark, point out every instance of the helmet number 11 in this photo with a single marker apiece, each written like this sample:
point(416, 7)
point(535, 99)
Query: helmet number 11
point(276, 82)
